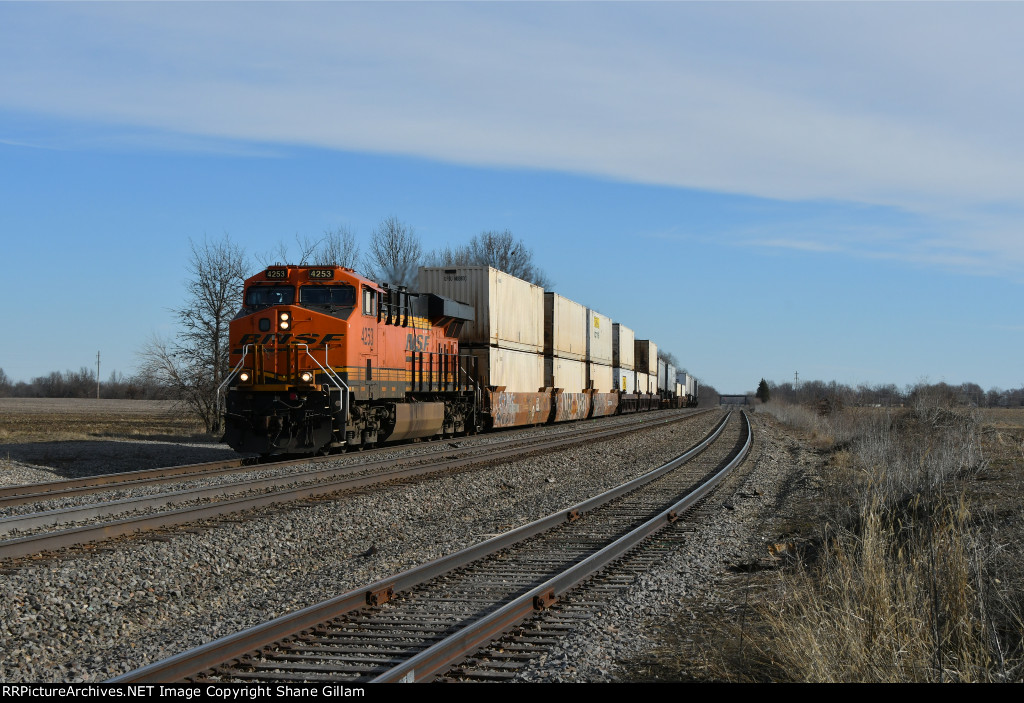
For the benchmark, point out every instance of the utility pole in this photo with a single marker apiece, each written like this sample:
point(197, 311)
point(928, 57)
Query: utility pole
point(97, 375)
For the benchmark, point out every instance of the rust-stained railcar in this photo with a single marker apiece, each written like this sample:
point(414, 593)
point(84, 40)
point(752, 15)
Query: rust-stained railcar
point(323, 358)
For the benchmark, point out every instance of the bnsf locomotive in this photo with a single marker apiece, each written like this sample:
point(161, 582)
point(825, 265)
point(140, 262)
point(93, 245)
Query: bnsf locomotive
point(323, 358)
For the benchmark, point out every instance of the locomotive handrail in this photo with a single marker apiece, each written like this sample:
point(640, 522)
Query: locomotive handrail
point(231, 375)
point(339, 382)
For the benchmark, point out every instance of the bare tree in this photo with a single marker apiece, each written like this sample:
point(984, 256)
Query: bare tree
point(337, 248)
point(195, 363)
point(498, 249)
point(395, 253)
point(281, 254)
point(669, 358)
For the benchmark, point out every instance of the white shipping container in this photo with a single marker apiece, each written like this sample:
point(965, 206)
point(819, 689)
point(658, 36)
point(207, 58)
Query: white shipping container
point(601, 378)
point(599, 338)
point(670, 378)
point(643, 382)
point(624, 380)
point(662, 375)
point(568, 374)
point(623, 352)
point(519, 372)
point(646, 360)
point(509, 312)
point(565, 328)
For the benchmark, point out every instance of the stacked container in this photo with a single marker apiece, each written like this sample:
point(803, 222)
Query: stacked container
point(623, 353)
point(506, 337)
point(565, 356)
point(600, 374)
point(600, 338)
point(646, 357)
point(565, 344)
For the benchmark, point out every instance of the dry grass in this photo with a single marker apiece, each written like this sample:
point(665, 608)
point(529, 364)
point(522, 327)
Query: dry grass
point(24, 420)
point(900, 587)
point(897, 601)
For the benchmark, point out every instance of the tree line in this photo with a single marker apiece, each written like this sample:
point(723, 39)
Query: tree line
point(889, 395)
point(82, 384)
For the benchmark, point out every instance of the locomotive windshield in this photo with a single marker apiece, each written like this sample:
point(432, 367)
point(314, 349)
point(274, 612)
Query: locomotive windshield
point(269, 295)
point(340, 296)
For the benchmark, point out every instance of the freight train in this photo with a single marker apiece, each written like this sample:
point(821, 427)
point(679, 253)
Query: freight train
point(324, 359)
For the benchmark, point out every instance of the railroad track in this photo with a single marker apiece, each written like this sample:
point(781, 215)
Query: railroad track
point(31, 533)
point(69, 488)
point(415, 625)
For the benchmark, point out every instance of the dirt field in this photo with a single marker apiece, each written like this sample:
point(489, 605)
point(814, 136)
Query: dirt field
point(64, 419)
point(43, 439)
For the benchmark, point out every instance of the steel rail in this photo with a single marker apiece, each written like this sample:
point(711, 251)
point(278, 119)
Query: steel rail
point(34, 492)
point(49, 541)
point(50, 490)
point(200, 659)
point(442, 655)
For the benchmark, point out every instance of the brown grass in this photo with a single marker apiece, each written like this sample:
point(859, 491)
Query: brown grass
point(902, 585)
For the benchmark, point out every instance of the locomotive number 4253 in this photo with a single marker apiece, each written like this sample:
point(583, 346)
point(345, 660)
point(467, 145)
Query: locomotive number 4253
point(367, 336)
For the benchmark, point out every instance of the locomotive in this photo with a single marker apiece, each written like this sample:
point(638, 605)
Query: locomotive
point(323, 358)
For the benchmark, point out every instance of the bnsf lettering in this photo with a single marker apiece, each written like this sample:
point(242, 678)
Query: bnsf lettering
point(285, 338)
point(455, 278)
point(417, 342)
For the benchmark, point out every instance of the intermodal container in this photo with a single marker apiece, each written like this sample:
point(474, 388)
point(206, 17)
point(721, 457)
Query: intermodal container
point(623, 343)
point(509, 311)
point(570, 375)
point(624, 380)
point(517, 371)
point(646, 357)
point(600, 336)
point(601, 377)
point(643, 382)
point(565, 328)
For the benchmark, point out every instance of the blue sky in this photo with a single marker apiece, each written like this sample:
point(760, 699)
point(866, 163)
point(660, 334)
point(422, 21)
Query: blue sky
point(761, 188)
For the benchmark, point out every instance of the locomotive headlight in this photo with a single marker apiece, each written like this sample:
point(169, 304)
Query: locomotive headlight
point(284, 320)
point(243, 377)
point(284, 325)
point(306, 377)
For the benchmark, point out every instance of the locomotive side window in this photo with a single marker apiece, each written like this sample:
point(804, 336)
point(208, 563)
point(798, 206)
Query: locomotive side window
point(269, 295)
point(369, 301)
point(341, 296)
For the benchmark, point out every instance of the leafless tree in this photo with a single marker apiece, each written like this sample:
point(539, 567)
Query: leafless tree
point(195, 363)
point(669, 358)
point(338, 247)
point(307, 249)
point(498, 249)
point(395, 253)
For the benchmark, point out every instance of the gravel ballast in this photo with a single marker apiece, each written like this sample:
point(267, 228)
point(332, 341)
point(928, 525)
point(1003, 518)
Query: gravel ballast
point(99, 613)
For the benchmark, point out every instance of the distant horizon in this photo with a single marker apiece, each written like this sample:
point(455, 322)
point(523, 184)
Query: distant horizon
point(760, 188)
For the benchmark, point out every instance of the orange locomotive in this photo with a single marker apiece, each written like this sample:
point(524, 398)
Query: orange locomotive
point(323, 358)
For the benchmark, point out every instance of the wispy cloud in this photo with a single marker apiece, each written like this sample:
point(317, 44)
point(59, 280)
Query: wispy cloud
point(911, 107)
